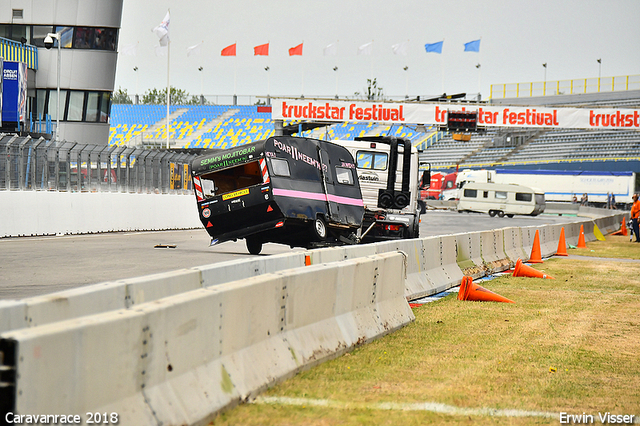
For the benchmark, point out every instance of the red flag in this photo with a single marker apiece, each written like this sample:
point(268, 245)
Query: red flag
point(229, 50)
point(296, 50)
point(262, 50)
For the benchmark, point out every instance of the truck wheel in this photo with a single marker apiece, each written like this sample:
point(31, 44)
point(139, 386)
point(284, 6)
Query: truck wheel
point(254, 245)
point(320, 229)
point(492, 213)
point(500, 213)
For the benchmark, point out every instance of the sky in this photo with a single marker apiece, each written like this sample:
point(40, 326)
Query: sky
point(516, 38)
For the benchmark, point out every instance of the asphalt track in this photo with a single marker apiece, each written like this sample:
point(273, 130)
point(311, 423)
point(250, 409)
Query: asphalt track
point(31, 266)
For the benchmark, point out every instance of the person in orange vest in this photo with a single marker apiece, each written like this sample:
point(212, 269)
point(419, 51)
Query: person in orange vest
point(635, 212)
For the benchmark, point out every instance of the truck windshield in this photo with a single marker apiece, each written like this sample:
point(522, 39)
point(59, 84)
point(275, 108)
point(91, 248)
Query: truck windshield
point(232, 179)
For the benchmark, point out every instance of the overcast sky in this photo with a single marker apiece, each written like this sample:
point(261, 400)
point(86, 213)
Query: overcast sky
point(517, 37)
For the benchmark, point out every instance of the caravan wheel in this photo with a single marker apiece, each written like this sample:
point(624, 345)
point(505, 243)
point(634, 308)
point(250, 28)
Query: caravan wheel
point(492, 213)
point(254, 245)
point(500, 213)
point(320, 229)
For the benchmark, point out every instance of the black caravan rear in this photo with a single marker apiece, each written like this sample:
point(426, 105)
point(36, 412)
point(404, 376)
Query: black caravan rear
point(288, 190)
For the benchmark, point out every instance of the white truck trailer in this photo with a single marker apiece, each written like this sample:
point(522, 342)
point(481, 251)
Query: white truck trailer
point(559, 185)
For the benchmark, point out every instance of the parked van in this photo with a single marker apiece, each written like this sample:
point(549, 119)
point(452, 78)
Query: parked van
point(500, 199)
point(289, 190)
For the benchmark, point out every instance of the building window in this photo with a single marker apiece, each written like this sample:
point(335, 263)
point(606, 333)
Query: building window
point(17, 13)
point(75, 105)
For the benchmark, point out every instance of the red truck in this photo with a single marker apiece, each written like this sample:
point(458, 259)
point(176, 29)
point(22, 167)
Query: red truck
point(439, 182)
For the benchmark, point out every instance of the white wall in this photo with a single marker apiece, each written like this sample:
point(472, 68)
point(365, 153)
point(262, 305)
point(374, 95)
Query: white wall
point(45, 213)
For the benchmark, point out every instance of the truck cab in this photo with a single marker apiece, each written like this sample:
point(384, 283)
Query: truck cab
point(389, 176)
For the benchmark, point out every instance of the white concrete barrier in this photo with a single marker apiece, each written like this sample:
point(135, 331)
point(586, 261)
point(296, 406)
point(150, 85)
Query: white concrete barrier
point(493, 254)
point(182, 359)
point(110, 296)
point(50, 213)
point(469, 254)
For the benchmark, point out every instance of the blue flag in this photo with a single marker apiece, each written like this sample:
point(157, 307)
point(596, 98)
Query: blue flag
point(434, 47)
point(472, 46)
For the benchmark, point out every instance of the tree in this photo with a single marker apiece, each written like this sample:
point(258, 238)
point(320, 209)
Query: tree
point(372, 92)
point(178, 97)
point(121, 97)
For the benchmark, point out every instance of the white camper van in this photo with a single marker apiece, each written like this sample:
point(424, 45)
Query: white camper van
point(500, 199)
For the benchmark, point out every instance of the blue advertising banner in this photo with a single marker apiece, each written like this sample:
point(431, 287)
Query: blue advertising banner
point(14, 92)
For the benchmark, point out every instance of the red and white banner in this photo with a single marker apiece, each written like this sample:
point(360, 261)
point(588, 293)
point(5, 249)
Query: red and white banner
point(436, 114)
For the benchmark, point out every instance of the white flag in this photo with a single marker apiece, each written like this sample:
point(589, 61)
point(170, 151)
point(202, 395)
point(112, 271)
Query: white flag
point(162, 31)
point(194, 50)
point(365, 49)
point(129, 50)
point(400, 48)
point(330, 50)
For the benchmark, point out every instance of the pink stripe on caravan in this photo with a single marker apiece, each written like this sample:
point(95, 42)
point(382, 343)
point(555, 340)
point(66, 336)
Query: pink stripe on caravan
point(317, 196)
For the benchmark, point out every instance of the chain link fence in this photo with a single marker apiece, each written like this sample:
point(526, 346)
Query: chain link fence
point(28, 164)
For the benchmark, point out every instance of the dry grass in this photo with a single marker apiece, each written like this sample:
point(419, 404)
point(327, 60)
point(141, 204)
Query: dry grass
point(567, 345)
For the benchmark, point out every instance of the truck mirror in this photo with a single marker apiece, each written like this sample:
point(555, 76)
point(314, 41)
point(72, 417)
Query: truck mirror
point(426, 179)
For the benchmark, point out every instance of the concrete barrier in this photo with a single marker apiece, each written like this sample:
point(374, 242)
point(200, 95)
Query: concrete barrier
point(50, 213)
point(469, 254)
point(182, 359)
point(493, 254)
point(122, 294)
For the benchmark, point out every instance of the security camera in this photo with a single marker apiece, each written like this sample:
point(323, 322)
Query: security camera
point(48, 41)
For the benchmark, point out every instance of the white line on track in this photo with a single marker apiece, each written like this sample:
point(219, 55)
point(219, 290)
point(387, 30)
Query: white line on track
point(434, 407)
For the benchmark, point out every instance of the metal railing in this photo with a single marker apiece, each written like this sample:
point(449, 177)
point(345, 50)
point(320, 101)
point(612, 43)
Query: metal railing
point(565, 87)
point(29, 164)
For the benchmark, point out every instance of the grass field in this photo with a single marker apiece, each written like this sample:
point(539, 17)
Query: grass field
point(568, 345)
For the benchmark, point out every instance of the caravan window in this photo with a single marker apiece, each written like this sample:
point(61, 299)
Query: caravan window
point(280, 167)
point(470, 193)
point(501, 195)
point(523, 196)
point(344, 176)
point(371, 160)
point(232, 179)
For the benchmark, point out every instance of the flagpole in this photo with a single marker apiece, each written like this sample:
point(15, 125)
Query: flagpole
point(168, 87)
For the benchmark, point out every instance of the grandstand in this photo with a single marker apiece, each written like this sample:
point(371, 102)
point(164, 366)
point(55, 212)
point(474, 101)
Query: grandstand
point(221, 127)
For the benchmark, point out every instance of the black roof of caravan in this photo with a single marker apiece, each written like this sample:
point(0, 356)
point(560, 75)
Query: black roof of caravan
point(216, 160)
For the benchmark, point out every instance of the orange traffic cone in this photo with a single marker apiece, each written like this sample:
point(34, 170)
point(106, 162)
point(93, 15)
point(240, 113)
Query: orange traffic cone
point(470, 291)
point(581, 243)
point(562, 245)
point(522, 270)
point(536, 256)
point(622, 230)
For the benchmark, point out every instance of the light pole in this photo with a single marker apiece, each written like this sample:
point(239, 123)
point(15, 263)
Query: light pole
point(478, 66)
point(48, 43)
point(201, 86)
point(268, 83)
point(336, 70)
point(599, 69)
point(544, 88)
point(136, 97)
point(406, 68)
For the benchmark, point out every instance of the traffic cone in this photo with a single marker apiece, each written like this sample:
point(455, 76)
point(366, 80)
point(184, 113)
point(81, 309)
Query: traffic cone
point(522, 270)
point(562, 245)
point(536, 256)
point(581, 243)
point(622, 230)
point(470, 291)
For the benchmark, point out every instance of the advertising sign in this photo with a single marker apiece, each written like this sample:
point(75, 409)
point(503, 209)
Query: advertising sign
point(14, 92)
point(436, 114)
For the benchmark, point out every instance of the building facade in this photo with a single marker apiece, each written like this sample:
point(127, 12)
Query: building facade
point(88, 32)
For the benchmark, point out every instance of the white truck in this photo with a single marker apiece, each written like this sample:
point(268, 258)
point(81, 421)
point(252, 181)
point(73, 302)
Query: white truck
point(558, 185)
point(389, 176)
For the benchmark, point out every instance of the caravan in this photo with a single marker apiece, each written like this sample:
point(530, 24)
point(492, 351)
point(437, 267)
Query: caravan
point(288, 190)
point(500, 199)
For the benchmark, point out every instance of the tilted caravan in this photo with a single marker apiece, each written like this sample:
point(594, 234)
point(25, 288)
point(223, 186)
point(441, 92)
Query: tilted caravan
point(500, 199)
point(288, 190)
